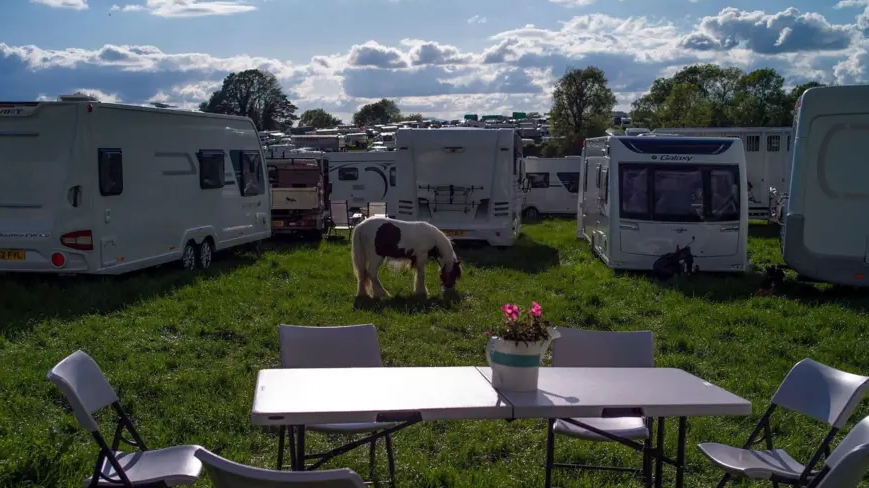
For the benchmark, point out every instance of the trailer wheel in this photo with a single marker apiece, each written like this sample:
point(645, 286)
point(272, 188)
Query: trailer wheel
point(531, 213)
point(206, 253)
point(188, 257)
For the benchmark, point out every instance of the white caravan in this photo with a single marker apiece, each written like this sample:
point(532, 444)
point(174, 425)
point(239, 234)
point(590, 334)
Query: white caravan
point(363, 177)
point(825, 236)
point(387, 139)
point(467, 182)
point(554, 186)
point(103, 188)
point(641, 197)
point(767, 160)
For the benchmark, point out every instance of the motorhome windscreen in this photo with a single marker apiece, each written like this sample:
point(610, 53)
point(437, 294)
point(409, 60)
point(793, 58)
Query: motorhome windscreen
point(387, 137)
point(683, 193)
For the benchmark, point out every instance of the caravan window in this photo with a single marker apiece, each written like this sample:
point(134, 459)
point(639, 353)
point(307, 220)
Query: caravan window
point(695, 193)
point(211, 165)
point(752, 144)
point(538, 180)
point(252, 178)
point(348, 174)
point(570, 181)
point(773, 143)
point(111, 172)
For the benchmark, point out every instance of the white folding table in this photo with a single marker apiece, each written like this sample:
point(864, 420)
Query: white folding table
point(298, 397)
point(565, 393)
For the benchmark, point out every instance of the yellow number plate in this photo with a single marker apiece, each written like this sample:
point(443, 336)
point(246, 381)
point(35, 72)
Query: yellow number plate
point(455, 233)
point(277, 223)
point(12, 254)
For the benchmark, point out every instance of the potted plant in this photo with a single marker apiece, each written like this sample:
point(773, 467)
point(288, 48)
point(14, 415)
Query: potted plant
point(516, 347)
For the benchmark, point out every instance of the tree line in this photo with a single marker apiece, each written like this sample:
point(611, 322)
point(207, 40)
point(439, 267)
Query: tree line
point(703, 95)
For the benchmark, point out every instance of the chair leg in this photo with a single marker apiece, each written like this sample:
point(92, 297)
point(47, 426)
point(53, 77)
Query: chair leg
point(291, 436)
point(372, 463)
point(390, 457)
point(550, 451)
point(724, 480)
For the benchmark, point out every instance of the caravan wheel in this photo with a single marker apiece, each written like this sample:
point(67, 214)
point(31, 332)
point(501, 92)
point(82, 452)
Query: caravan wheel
point(531, 213)
point(188, 257)
point(206, 252)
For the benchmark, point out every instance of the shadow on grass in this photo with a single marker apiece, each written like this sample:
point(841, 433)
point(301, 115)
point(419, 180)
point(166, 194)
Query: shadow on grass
point(28, 299)
point(524, 255)
point(410, 304)
point(722, 287)
point(762, 230)
point(290, 242)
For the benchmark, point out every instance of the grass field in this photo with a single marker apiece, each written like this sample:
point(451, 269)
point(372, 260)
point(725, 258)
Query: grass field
point(183, 351)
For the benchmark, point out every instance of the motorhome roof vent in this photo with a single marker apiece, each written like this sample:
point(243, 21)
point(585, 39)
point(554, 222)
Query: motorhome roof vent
point(77, 98)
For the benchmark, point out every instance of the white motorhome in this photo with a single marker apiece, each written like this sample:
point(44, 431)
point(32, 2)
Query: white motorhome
point(553, 186)
point(641, 197)
point(102, 188)
point(767, 159)
point(363, 177)
point(467, 182)
point(325, 143)
point(825, 236)
point(387, 139)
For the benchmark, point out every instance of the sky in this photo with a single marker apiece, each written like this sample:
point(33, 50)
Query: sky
point(441, 58)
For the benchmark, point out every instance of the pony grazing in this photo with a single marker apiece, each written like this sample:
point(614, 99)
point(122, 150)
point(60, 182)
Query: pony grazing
point(379, 238)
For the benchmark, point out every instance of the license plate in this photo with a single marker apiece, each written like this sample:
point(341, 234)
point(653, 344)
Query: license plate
point(455, 233)
point(12, 254)
point(277, 223)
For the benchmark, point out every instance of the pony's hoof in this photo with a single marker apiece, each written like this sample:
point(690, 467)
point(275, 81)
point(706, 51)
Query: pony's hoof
point(420, 294)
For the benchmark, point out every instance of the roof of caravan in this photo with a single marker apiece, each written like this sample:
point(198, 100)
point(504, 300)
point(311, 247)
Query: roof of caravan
point(194, 113)
point(677, 145)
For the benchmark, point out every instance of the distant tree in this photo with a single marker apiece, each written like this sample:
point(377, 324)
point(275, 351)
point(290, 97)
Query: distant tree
point(319, 119)
point(685, 107)
point(760, 100)
point(256, 94)
point(382, 112)
point(582, 105)
point(409, 118)
point(534, 115)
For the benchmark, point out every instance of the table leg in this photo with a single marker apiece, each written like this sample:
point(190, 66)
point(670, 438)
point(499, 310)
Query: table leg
point(659, 458)
point(300, 448)
point(680, 453)
point(281, 432)
point(550, 451)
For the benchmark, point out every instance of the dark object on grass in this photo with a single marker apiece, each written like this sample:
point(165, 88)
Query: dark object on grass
point(675, 263)
point(773, 278)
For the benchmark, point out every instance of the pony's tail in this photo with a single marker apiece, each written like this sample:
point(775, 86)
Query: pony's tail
point(357, 250)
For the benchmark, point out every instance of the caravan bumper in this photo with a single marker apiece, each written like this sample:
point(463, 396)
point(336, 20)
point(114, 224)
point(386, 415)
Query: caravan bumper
point(500, 236)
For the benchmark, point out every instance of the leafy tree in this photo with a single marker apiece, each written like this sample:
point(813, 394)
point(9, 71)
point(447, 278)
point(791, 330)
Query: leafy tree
point(409, 118)
point(256, 94)
point(319, 119)
point(685, 107)
point(760, 100)
point(382, 112)
point(582, 104)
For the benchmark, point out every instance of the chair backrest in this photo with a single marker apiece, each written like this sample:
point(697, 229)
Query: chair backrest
point(849, 462)
point(229, 474)
point(338, 210)
point(603, 349)
point(376, 208)
point(85, 387)
point(345, 346)
point(819, 391)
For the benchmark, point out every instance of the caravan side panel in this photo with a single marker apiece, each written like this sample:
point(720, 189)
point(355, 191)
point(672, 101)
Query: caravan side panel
point(826, 233)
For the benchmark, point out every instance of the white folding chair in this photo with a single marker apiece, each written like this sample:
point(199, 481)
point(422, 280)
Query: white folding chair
point(377, 209)
point(348, 346)
point(339, 216)
point(603, 349)
point(818, 391)
point(849, 462)
point(229, 474)
point(86, 389)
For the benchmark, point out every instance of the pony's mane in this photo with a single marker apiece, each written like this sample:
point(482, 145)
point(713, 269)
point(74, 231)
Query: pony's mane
point(443, 243)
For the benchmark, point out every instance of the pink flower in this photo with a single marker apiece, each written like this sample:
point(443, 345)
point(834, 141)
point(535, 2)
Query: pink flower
point(488, 333)
point(536, 310)
point(510, 311)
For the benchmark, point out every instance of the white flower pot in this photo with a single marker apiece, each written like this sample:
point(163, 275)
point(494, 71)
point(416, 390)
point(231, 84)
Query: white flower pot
point(516, 365)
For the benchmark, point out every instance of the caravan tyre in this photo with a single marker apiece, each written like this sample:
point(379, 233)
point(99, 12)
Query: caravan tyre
point(188, 257)
point(531, 213)
point(206, 253)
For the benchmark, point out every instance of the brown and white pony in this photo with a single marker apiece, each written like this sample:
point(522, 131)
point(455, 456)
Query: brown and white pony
point(377, 239)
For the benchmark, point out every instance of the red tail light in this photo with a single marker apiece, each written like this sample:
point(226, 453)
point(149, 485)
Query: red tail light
point(58, 260)
point(83, 240)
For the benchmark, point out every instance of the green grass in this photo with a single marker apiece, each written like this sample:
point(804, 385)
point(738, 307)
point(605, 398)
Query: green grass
point(183, 351)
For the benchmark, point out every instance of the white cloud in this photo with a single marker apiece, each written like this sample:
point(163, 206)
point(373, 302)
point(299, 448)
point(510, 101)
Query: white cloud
point(574, 3)
point(477, 20)
point(73, 4)
point(99, 95)
point(515, 72)
point(187, 8)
